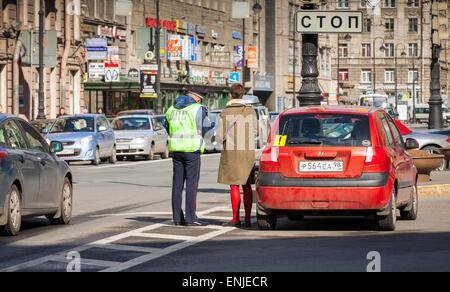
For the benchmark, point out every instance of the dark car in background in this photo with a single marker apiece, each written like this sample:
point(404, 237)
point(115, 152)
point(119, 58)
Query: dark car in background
point(33, 180)
point(42, 125)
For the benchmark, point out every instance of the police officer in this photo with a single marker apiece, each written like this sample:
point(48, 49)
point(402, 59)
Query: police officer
point(188, 123)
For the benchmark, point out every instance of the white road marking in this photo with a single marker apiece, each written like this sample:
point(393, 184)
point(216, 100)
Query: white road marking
point(151, 253)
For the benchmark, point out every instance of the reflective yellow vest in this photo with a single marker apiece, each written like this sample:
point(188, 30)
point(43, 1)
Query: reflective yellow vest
point(184, 136)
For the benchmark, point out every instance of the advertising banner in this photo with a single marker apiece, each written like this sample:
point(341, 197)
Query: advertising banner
point(240, 54)
point(252, 61)
point(193, 49)
point(174, 47)
point(148, 75)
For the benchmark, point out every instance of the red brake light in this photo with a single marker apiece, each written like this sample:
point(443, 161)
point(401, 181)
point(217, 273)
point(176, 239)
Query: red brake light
point(269, 160)
point(376, 160)
point(3, 154)
point(448, 140)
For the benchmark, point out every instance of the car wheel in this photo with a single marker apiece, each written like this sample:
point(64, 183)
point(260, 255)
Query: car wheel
point(414, 205)
point(266, 219)
point(388, 223)
point(113, 158)
point(66, 205)
point(166, 153)
point(151, 155)
point(435, 150)
point(120, 158)
point(96, 160)
point(14, 212)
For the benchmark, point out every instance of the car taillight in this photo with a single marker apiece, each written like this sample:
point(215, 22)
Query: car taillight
point(376, 160)
point(448, 140)
point(3, 154)
point(269, 160)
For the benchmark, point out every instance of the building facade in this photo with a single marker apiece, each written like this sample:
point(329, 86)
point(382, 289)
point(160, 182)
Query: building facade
point(19, 49)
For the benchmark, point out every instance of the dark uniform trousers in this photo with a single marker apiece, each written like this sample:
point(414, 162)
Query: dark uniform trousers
point(186, 167)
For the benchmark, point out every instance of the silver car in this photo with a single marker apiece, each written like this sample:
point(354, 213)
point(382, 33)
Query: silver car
point(140, 135)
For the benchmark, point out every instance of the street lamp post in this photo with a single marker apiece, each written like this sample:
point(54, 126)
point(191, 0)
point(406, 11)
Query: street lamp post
point(257, 9)
point(374, 74)
point(159, 106)
point(41, 108)
point(396, 74)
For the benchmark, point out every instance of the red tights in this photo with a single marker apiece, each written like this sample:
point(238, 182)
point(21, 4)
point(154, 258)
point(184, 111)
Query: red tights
point(236, 202)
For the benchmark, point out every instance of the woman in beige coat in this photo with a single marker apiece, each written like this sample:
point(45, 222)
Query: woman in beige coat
point(237, 128)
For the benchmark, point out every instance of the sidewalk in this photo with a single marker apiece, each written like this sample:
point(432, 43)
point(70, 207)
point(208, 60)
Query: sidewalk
point(438, 186)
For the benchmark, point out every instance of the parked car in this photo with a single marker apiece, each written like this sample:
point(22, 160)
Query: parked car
point(85, 138)
point(423, 113)
point(426, 141)
point(33, 180)
point(211, 142)
point(273, 117)
point(40, 125)
point(336, 160)
point(136, 112)
point(262, 114)
point(140, 135)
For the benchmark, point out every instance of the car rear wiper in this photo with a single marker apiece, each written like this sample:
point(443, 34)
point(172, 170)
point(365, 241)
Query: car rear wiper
point(304, 142)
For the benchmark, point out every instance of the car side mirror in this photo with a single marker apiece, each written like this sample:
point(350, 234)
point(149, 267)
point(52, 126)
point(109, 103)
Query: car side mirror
point(56, 147)
point(411, 144)
point(102, 128)
point(45, 131)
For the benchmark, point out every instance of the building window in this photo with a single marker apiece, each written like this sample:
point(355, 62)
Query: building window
point(343, 74)
point(389, 76)
point(366, 50)
point(342, 3)
point(413, 3)
point(389, 24)
point(388, 3)
point(366, 76)
point(413, 50)
point(413, 26)
point(413, 75)
point(367, 25)
point(389, 50)
point(343, 50)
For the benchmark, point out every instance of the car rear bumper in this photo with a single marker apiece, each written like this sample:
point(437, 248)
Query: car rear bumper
point(369, 192)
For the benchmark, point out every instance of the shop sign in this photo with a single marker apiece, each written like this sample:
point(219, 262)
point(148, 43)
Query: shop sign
point(190, 29)
point(236, 35)
point(193, 50)
point(263, 83)
point(169, 25)
point(133, 73)
point(219, 78)
point(252, 61)
point(96, 42)
point(96, 53)
point(147, 79)
point(181, 27)
point(240, 55)
point(96, 70)
point(112, 72)
point(201, 31)
point(120, 34)
point(105, 31)
point(174, 47)
point(199, 76)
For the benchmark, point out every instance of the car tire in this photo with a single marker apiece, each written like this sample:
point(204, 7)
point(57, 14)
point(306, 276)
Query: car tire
point(65, 205)
point(435, 150)
point(388, 223)
point(411, 215)
point(14, 221)
point(97, 159)
point(266, 219)
point(113, 158)
point(166, 153)
point(120, 158)
point(151, 155)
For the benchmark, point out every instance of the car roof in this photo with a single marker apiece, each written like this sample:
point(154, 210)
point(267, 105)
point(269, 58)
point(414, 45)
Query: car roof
point(82, 116)
point(333, 109)
point(134, 116)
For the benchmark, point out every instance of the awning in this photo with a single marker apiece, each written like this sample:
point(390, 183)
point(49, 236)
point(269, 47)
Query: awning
point(124, 84)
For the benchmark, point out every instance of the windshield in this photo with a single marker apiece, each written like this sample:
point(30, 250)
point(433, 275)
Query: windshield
point(70, 125)
point(374, 101)
point(131, 124)
point(332, 130)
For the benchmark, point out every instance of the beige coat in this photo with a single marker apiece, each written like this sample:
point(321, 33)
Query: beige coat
point(237, 129)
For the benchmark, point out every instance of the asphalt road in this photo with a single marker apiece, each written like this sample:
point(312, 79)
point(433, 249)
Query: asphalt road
point(122, 223)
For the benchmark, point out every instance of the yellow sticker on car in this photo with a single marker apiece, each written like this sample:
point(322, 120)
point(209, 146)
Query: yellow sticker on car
point(280, 141)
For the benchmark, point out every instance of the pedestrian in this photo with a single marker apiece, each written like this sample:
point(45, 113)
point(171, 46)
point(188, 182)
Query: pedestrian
point(62, 112)
point(100, 111)
point(237, 129)
point(188, 123)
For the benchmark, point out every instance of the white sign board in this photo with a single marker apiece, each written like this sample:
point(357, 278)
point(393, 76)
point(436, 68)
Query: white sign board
point(402, 110)
point(112, 74)
point(329, 21)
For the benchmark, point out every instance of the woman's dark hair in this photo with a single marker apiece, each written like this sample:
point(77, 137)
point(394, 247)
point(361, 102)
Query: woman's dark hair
point(237, 91)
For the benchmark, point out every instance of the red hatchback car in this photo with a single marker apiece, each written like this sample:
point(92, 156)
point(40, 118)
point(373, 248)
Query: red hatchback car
point(336, 160)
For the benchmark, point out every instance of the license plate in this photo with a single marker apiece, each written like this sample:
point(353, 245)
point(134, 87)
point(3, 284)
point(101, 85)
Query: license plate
point(321, 166)
point(123, 147)
point(67, 152)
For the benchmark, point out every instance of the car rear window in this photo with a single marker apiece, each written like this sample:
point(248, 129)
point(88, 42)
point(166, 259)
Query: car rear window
point(324, 129)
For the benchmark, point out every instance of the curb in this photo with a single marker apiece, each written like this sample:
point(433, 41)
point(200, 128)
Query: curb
point(434, 191)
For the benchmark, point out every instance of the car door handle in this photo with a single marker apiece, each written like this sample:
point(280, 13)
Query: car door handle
point(21, 159)
point(43, 162)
